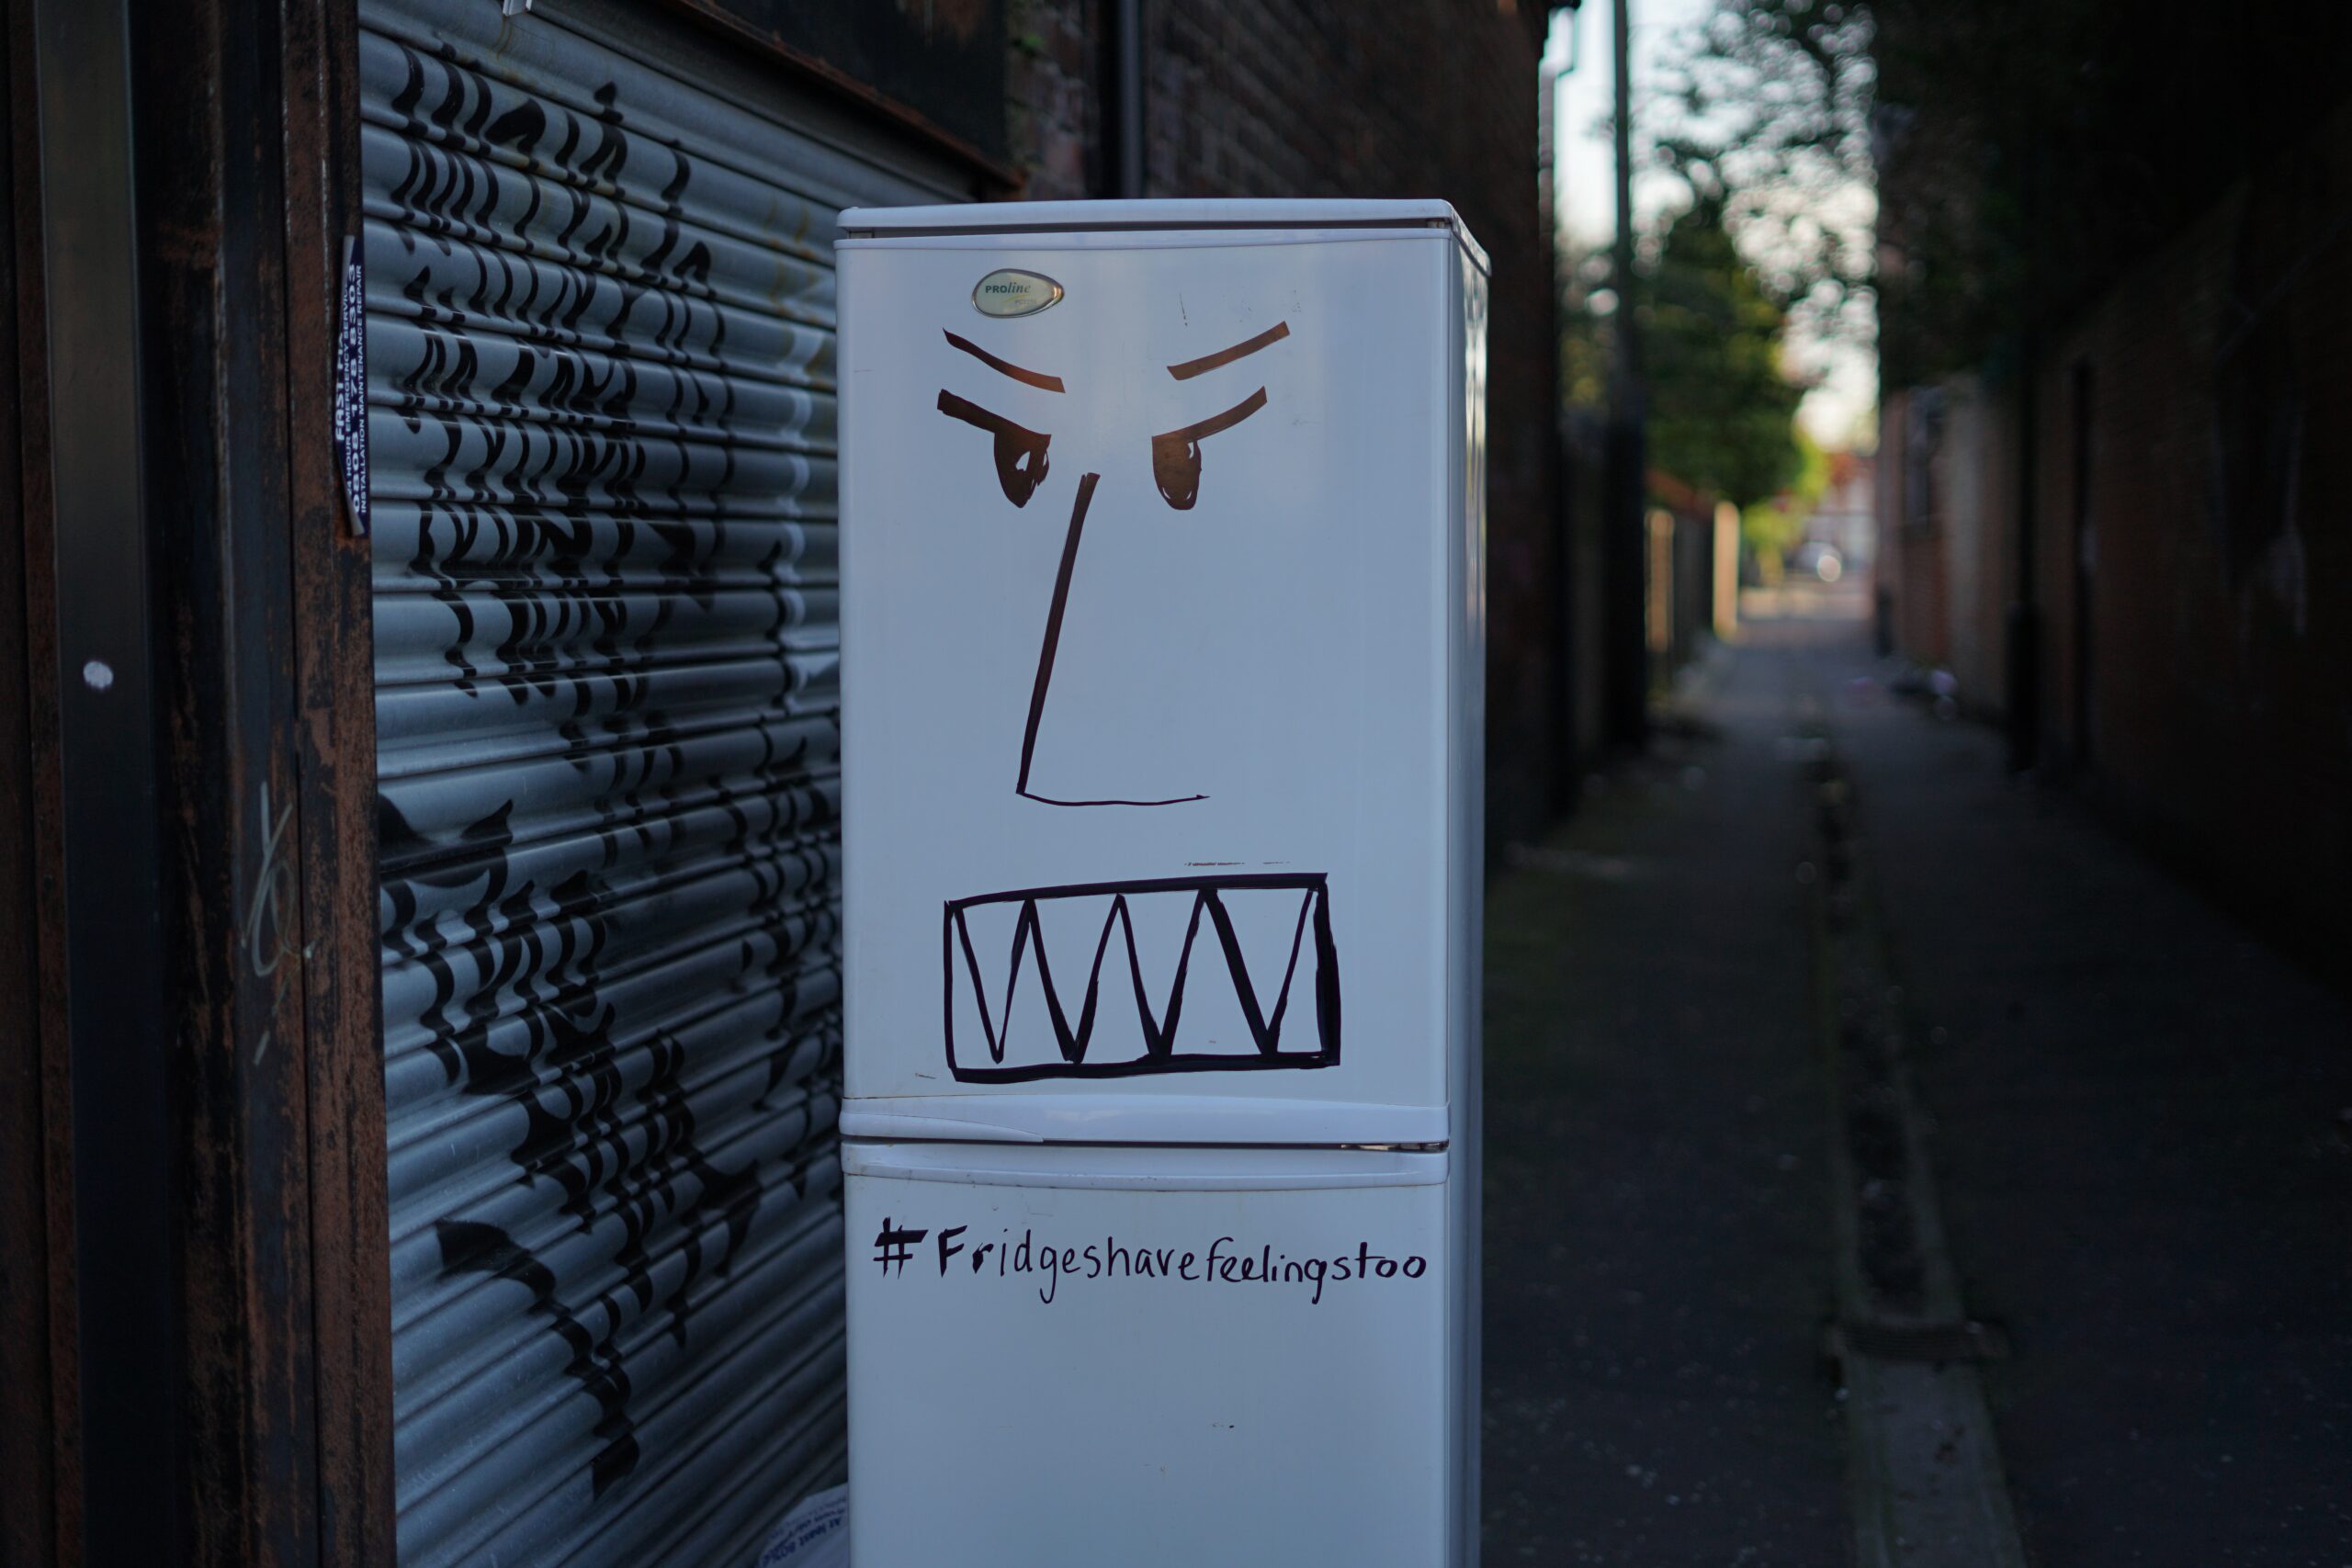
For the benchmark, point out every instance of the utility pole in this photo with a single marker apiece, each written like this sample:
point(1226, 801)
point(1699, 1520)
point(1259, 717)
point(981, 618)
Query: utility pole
point(1624, 530)
point(1627, 366)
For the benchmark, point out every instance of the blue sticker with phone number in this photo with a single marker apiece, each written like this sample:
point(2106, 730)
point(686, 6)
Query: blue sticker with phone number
point(351, 387)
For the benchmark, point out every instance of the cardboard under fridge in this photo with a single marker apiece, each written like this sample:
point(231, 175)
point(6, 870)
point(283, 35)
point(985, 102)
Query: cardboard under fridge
point(1215, 1356)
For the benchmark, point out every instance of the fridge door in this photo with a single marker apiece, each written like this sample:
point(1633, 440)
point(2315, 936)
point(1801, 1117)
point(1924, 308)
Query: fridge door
point(1154, 645)
point(1089, 1356)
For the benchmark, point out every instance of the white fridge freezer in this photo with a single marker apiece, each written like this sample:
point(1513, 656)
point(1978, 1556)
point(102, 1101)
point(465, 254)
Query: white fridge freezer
point(1162, 567)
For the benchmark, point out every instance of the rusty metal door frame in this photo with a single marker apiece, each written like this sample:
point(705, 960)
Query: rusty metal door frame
point(196, 1310)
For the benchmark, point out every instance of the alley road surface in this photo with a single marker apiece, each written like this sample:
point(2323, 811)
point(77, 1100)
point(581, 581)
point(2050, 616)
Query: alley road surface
point(2140, 1123)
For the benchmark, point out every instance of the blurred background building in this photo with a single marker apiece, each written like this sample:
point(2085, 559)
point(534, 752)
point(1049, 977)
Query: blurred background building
point(2114, 277)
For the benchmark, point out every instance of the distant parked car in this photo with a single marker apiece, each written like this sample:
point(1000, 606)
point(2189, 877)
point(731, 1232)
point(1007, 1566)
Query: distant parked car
point(1819, 559)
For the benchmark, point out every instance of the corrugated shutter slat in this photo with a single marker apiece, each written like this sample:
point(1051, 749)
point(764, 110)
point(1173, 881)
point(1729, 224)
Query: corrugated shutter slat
point(601, 430)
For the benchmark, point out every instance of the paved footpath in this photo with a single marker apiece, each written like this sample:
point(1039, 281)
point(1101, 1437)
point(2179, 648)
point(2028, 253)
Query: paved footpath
point(2141, 1129)
point(1657, 1222)
point(2144, 1141)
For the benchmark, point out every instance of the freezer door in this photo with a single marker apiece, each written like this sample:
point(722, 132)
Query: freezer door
point(1073, 1356)
point(1150, 647)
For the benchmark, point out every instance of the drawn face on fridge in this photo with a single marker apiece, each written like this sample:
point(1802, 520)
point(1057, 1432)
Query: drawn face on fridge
point(1153, 674)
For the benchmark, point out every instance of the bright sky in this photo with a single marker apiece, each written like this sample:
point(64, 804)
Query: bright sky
point(1584, 175)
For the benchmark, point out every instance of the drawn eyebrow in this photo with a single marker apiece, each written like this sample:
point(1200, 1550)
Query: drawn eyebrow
point(994, 423)
point(1191, 367)
point(1005, 366)
point(1217, 421)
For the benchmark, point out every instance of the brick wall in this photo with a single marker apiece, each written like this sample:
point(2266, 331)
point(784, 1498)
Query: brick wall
point(2193, 553)
point(1301, 99)
point(1054, 98)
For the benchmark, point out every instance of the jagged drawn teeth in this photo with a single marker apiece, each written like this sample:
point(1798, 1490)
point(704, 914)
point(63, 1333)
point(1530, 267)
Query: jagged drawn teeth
point(1256, 952)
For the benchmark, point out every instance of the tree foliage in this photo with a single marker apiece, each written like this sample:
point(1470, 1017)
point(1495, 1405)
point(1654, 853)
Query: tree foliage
point(1722, 408)
point(1585, 339)
point(2022, 152)
point(1766, 109)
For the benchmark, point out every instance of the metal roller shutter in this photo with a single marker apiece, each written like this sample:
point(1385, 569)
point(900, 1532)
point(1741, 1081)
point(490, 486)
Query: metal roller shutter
point(600, 313)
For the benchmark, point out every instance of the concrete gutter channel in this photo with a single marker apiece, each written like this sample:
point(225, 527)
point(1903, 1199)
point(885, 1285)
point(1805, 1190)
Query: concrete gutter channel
point(1925, 1482)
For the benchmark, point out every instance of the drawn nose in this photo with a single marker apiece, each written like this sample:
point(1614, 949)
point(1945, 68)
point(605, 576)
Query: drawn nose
point(1046, 650)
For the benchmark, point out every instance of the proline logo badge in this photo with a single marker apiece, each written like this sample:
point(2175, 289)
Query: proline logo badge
point(1011, 292)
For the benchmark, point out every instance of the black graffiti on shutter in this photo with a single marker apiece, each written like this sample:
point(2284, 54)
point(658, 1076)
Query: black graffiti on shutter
point(585, 490)
point(486, 1250)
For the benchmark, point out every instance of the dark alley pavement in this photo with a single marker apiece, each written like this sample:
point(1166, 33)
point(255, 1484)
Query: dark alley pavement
point(2139, 1123)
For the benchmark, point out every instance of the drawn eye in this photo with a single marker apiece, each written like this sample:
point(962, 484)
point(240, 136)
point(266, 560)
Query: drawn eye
point(1020, 452)
point(1176, 463)
point(1176, 457)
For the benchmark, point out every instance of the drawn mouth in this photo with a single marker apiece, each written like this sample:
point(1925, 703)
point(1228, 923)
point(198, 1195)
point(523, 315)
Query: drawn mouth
point(1189, 974)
